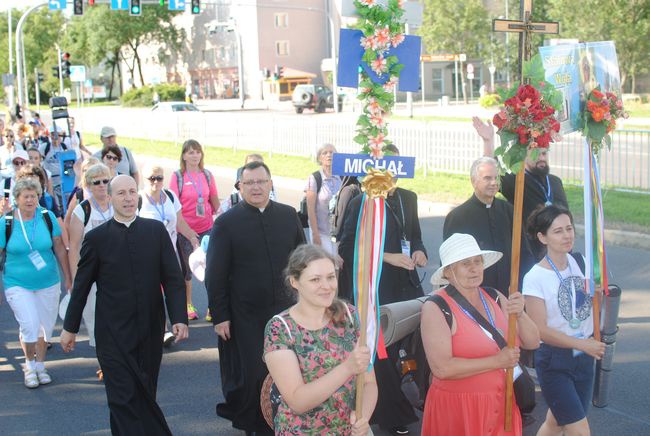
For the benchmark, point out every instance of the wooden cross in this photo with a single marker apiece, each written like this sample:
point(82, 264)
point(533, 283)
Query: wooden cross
point(525, 27)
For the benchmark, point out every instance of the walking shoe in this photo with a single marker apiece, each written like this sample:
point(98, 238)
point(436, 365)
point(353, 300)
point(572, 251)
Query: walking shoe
point(168, 339)
point(400, 429)
point(208, 317)
point(31, 379)
point(43, 377)
point(191, 312)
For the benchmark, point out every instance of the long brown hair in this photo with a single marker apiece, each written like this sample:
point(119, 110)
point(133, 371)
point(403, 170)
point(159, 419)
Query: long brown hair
point(192, 144)
point(299, 260)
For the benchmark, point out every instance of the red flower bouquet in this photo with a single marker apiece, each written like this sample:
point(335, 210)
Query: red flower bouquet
point(599, 118)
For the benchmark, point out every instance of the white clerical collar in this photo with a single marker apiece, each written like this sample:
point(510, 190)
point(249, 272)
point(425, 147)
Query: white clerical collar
point(126, 223)
point(261, 209)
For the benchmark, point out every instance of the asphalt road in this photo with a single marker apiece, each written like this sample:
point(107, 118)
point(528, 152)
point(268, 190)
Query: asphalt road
point(189, 384)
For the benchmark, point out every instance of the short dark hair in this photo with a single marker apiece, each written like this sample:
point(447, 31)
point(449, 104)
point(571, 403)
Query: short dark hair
point(112, 149)
point(255, 165)
point(392, 148)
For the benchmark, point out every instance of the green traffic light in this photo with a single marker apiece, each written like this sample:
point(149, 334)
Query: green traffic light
point(135, 9)
point(196, 10)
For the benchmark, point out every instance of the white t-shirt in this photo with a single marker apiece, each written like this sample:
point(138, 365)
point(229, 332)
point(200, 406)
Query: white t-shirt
point(558, 297)
point(166, 214)
point(97, 218)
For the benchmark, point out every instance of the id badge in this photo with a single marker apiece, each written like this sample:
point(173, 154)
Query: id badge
point(37, 260)
point(577, 353)
point(406, 247)
point(200, 209)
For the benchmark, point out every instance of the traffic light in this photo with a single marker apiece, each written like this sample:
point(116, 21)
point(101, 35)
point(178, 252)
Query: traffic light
point(40, 77)
point(196, 7)
point(78, 7)
point(135, 9)
point(55, 71)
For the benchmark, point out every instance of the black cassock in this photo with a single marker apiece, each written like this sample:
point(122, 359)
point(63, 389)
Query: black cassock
point(129, 265)
point(247, 254)
point(396, 284)
point(536, 192)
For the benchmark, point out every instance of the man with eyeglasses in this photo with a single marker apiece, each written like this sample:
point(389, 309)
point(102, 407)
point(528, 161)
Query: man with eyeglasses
point(127, 165)
point(404, 251)
point(248, 251)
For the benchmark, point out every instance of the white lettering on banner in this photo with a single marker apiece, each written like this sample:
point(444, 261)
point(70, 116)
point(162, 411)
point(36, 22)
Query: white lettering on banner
point(352, 165)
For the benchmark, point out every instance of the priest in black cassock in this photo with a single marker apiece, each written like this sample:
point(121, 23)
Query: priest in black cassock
point(248, 251)
point(129, 258)
point(403, 252)
point(489, 221)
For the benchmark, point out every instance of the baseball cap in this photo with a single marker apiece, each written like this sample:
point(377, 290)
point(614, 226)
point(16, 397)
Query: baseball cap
point(20, 154)
point(107, 131)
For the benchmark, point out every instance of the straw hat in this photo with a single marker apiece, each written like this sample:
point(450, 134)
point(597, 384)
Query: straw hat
point(460, 246)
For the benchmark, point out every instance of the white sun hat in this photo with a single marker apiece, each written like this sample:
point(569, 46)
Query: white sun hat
point(461, 246)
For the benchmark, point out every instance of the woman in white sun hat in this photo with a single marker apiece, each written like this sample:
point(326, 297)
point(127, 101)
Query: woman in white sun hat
point(459, 325)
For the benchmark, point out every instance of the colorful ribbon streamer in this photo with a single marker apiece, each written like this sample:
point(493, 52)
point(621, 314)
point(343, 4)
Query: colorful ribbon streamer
point(368, 270)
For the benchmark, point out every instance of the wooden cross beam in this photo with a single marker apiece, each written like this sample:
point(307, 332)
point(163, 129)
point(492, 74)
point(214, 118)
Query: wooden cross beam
point(525, 28)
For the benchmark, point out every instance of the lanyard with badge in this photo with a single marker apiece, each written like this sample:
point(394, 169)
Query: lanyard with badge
point(99, 210)
point(161, 211)
point(406, 244)
point(574, 322)
point(546, 190)
point(34, 256)
point(200, 203)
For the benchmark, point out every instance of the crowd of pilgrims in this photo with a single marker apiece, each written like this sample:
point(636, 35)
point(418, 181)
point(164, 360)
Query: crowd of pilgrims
point(280, 289)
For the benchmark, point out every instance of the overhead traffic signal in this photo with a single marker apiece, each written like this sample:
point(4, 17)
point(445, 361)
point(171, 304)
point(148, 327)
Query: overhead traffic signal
point(196, 7)
point(78, 7)
point(135, 8)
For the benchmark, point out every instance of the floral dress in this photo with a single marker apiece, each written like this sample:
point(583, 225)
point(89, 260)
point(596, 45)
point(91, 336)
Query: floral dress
point(318, 352)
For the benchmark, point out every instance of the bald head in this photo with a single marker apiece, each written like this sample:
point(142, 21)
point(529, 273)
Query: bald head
point(124, 197)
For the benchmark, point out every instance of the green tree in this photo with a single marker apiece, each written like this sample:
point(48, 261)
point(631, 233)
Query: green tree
point(626, 22)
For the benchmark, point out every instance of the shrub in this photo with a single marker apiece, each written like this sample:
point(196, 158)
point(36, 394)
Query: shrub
point(170, 92)
point(489, 100)
point(138, 97)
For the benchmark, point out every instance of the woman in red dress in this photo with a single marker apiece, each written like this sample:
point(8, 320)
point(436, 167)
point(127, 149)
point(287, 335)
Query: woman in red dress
point(466, 396)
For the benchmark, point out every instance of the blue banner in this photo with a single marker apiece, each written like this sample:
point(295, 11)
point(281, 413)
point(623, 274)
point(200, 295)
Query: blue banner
point(357, 165)
point(56, 5)
point(176, 5)
point(575, 70)
point(120, 5)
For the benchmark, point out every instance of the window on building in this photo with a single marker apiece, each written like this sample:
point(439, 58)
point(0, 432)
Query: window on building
point(282, 48)
point(281, 19)
point(437, 81)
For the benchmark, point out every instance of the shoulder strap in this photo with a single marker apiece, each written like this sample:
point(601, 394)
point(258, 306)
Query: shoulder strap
point(444, 308)
point(579, 260)
point(9, 221)
point(126, 154)
point(285, 325)
point(169, 194)
point(47, 148)
point(80, 195)
point(85, 206)
point(7, 184)
point(319, 180)
point(139, 202)
point(179, 181)
point(208, 176)
point(493, 294)
point(48, 221)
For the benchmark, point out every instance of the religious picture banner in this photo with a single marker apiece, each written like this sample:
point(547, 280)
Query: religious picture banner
point(575, 70)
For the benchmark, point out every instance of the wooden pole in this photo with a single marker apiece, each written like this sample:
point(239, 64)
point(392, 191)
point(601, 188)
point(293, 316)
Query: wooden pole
point(514, 287)
point(598, 286)
point(364, 293)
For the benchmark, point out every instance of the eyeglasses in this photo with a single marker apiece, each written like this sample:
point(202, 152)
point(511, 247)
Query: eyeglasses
point(101, 182)
point(156, 178)
point(18, 163)
point(250, 183)
point(111, 157)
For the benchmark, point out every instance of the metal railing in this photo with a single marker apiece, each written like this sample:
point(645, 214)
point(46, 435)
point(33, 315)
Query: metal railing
point(438, 147)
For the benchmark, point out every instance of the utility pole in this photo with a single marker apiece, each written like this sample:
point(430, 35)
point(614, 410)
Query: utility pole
point(11, 60)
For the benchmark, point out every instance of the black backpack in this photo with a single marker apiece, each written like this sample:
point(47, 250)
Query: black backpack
point(337, 213)
point(180, 181)
point(9, 222)
point(302, 211)
point(167, 191)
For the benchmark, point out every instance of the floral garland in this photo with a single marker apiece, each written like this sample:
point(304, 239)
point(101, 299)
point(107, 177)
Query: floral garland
point(380, 22)
point(599, 118)
point(527, 120)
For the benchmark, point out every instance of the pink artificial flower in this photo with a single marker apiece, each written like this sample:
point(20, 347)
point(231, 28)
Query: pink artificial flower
point(400, 4)
point(369, 3)
point(376, 152)
point(390, 85)
point(368, 42)
point(608, 116)
point(379, 65)
point(377, 141)
point(377, 121)
point(366, 90)
point(374, 108)
point(382, 37)
point(397, 39)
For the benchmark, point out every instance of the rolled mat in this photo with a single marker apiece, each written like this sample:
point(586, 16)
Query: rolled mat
point(400, 319)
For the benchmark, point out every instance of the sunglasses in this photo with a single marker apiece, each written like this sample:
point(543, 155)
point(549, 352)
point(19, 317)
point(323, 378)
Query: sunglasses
point(156, 178)
point(18, 163)
point(111, 157)
point(101, 182)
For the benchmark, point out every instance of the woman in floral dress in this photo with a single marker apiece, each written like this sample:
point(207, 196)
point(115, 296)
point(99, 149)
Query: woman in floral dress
point(312, 354)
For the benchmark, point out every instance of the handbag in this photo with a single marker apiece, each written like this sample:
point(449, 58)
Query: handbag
point(524, 386)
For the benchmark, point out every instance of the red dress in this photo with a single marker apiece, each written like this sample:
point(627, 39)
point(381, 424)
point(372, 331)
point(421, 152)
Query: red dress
point(473, 405)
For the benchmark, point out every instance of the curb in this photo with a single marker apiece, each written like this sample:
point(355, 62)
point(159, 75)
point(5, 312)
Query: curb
point(621, 237)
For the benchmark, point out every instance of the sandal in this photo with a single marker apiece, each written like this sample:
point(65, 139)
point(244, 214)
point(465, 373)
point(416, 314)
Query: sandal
point(31, 379)
point(43, 377)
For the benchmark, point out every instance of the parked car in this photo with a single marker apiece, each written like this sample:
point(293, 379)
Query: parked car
point(174, 106)
point(316, 97)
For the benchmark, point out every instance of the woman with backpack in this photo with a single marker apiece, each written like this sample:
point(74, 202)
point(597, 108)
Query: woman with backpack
point(557, 301)
point(197, 191)
point(321, 188)
point(463, 328)
point(31, 239)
